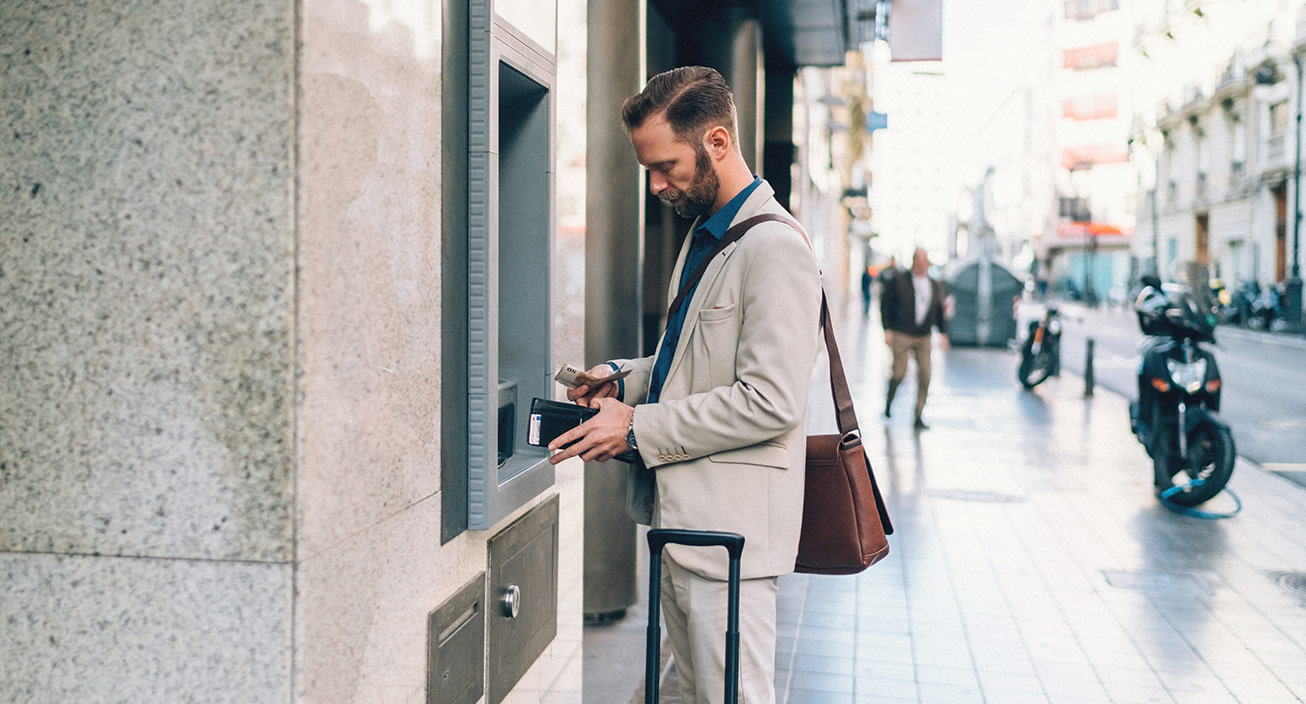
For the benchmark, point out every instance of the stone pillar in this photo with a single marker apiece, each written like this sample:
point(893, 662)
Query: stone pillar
point(146, 429)
point(613, 263)
point(747, 83)
point(220, 331)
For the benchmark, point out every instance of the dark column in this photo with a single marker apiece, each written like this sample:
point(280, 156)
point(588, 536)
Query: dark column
point(778, 148)
point(731, 42)
point(613, 252)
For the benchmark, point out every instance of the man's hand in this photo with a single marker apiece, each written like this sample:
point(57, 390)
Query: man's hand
point(888, 338)
point(586, 396)
point(944, 342)
point(599, 438)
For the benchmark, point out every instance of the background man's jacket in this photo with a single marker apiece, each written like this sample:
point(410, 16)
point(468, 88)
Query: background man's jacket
point(898, 306)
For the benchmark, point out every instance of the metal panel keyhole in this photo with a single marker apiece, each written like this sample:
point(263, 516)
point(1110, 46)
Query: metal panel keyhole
point(511, 601)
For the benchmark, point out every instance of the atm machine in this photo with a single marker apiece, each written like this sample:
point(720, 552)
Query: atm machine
point(499, 71)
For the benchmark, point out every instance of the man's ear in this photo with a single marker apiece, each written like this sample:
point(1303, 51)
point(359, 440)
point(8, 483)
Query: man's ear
point(717, 142)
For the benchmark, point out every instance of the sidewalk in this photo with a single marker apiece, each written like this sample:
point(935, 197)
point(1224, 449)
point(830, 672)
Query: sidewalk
point(1032, 564)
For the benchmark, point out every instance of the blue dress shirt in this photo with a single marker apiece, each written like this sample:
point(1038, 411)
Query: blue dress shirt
point(706, 237)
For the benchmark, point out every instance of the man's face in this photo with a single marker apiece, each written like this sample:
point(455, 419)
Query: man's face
point(920, 262)
point(681, 175)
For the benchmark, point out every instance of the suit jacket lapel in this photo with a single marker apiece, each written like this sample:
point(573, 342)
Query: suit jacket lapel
point(752, 206)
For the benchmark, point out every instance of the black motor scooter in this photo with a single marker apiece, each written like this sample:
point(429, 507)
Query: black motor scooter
point(1175, 416)
point(1040, 355)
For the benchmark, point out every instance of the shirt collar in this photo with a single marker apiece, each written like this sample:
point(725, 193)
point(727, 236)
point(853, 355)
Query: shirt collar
point(717, 225)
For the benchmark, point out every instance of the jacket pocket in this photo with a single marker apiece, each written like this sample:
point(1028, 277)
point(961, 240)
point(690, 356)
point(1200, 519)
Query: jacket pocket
point(708, 315)
point(718, 340)
point(765, 454)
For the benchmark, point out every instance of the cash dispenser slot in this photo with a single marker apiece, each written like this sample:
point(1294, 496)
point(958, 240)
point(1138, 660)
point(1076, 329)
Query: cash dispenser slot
point(507, 419)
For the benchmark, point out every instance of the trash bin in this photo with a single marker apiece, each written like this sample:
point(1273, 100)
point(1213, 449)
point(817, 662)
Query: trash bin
point(982, 293)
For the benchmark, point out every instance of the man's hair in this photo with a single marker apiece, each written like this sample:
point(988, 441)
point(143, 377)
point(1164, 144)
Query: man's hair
point(693, 99)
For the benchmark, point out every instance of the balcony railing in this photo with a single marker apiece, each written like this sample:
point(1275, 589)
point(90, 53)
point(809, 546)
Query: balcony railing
point(1232, 76)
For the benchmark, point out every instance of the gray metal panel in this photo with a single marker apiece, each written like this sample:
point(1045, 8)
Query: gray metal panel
point(481, 370)
point(453, 272)
point(456, 647)
point(494, 492)
point(523, 560)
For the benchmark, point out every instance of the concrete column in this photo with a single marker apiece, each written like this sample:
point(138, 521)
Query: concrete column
point(746, 81)
point(613, 262)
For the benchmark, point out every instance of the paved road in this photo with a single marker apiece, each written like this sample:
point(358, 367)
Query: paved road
point(1264, 380)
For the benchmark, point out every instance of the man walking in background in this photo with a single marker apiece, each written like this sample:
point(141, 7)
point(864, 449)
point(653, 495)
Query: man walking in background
point(910, 307)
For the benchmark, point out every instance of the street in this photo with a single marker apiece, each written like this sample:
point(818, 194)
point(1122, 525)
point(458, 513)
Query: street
point(1264, 380)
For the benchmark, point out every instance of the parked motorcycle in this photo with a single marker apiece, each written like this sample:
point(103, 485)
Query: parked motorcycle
point(1265, 308)
point(1176, 414)
point(1040, 355)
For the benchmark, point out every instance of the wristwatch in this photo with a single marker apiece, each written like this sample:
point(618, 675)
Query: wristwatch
point(630, 433)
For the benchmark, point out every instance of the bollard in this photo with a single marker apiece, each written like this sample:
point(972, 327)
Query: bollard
point(1088, 370)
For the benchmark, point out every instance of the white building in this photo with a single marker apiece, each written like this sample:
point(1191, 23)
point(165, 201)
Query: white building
point(913, 185)
point(1213, 135)
point(1087, 252)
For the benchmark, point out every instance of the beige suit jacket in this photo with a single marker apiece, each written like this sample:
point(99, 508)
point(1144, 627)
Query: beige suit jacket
point(725, 445)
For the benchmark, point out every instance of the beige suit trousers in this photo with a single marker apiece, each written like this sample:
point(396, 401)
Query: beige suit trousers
point(918, 346)
point(695, 610)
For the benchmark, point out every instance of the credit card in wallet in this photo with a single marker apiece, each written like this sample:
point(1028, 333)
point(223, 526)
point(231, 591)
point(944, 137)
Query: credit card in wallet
point(549, 419)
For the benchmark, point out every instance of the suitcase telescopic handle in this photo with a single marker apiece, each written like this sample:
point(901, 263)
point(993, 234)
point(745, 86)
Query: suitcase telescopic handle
point(658, 538)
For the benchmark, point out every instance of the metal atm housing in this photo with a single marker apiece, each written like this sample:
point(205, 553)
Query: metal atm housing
point(510, 228)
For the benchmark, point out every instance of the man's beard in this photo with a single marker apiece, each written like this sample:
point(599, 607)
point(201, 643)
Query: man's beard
point(699, 198)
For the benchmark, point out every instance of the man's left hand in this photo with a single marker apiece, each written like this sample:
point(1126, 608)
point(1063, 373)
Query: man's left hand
point(944, 342)
point(599, 438)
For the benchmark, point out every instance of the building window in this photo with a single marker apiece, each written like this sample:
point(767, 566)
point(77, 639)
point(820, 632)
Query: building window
point(1088, 9)
point(1278, 116)
point(1090, 107)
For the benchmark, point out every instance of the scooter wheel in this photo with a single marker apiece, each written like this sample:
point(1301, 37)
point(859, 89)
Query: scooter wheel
point(1210, 459)
point(1034, 370)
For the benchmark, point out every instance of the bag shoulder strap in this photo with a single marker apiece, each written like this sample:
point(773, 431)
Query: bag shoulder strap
point(734, 233)
point(843, 398)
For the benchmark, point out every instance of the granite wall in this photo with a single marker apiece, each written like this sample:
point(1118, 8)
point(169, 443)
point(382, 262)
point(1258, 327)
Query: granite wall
point(220, 336)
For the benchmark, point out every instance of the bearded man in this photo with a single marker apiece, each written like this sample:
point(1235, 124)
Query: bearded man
point(717, 413)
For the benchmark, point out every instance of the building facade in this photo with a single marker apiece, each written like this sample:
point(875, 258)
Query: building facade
point(1214, 137)
point(912, 160)
point(1087, 255)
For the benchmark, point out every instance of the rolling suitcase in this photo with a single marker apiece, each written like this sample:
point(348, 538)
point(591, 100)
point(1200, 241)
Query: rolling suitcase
point(659, 538)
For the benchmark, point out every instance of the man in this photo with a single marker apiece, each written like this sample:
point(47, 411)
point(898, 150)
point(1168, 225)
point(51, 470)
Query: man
point(910, 306)
point(717, 413)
